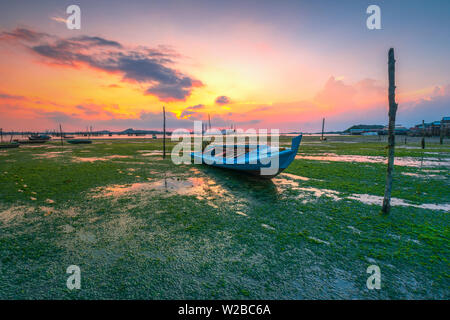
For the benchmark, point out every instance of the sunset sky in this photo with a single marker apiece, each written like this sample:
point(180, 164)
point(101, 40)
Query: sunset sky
point(256, 64)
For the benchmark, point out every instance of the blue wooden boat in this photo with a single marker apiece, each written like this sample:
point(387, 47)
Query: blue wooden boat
point(261, 160)
point(39, 137)
point(9, 145)
point(30, 141)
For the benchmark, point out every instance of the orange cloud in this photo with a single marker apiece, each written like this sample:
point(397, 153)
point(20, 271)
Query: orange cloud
point(142, 65)
point(59, 19)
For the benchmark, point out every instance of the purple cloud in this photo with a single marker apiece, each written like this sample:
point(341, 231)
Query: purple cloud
point(11, 96)
point(189, 111)
point(143, 65)
point(222, 100)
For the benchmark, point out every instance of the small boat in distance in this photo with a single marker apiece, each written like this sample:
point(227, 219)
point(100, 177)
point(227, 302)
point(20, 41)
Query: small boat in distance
point(79, 141)
point(39, 137)
point(260, 160)
point(9, 145)
point(30, 141)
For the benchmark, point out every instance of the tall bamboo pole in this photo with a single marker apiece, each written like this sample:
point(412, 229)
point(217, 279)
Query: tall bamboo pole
point(391, 132)
point(60, 132)
point(423, 134)
point(323, 127)
point(441, 132)
point(164, 132)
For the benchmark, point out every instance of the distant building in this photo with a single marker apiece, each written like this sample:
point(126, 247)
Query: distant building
point(435, 128)
point(432, 128)
point(362, 128)
point(357, 131)
point(429, 129)
point(399, 130)
point(446, 126)
point(369, 133)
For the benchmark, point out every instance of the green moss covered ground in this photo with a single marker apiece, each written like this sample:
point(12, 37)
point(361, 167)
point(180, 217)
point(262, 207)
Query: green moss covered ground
point(141, 227)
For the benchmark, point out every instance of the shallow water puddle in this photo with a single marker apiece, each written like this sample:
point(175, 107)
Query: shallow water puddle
point(193, 186)
point(267, 226)
point(408, 147)
point(282, 183)
point(336, 196)
point(93, 159)
point(423, 176)
point(90, 159)
point(378, 200)
point(50, 155)
point(152, 153)
point(131, 162)
point(293, 176)
point(319, 240)
point(117, 156)
point(399, 161)
point(13, 212)
point(354, 229)
point(322, 192)
point(434, 171)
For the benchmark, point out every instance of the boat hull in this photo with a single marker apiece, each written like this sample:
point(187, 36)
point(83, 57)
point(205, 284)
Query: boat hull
point(39, 137)
point(9, 145)
point(261, 166)
point(31, 141)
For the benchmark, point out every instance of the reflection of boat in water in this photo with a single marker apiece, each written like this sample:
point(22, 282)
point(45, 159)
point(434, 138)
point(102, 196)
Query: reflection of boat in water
point(9, 145)
point(79, 141)
point(261, 160)
point(68, 137)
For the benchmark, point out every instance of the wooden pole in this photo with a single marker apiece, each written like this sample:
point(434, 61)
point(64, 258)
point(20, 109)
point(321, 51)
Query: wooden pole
point(391, 132)
point(423, 134)
point(323, 127)
point(164, 132)
point(441, 132)
point(209, 120)
point(60, 132)
point(1, 134)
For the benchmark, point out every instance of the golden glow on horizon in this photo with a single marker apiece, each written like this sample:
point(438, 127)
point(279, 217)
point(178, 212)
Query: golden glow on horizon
point(270, 83)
